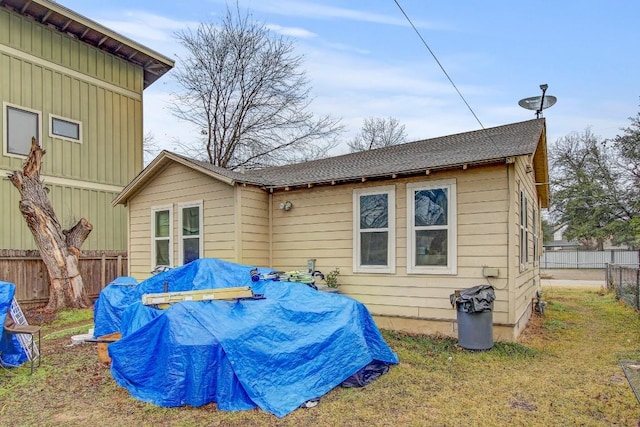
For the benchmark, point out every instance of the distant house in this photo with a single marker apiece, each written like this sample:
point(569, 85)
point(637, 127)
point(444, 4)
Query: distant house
point(559, 243)
point(77, 87)
point(407, 225)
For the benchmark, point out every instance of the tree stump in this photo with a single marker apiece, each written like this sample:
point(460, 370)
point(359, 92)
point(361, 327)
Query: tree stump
point(59, 249)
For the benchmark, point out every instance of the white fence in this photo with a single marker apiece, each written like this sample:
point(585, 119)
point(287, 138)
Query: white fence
point(588, 259)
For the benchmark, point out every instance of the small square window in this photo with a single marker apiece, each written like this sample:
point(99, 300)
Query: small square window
point(65, 129)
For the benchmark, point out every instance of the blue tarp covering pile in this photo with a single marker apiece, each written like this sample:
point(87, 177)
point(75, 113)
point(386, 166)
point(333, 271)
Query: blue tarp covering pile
point(11, 353)
point(275, 353)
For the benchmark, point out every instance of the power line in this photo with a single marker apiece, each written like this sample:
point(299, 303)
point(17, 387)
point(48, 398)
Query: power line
point(438, 62)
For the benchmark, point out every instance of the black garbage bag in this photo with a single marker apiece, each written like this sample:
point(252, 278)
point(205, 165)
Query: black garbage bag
point(476, 299)
point(366, 375)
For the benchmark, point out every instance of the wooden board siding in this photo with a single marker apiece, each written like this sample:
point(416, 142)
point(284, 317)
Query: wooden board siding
point(29, 36)
point(254, 227)
point(174, 185)
point(70, 204)
point(320, 226)
point(54, 74)
point(111, 148)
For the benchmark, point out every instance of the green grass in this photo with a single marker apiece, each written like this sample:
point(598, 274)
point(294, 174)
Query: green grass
point(564, 370)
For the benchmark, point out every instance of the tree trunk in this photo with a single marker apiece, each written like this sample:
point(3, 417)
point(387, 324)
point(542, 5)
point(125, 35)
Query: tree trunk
point(59, 249)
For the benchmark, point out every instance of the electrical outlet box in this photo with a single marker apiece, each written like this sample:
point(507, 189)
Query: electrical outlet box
point(490, 272)
point(311, 265)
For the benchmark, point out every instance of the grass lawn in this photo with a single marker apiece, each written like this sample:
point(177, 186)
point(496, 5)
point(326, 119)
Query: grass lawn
point(564, 371)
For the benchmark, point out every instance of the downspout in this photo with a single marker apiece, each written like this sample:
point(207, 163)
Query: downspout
point(270, 229)
point(237, 208)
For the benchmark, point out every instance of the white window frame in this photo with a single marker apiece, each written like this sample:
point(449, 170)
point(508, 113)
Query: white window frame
point(523, 224)
point(452, 227)
point(53, 117)
point(153, 237)
point(5, 128)
point(390, 268)
point(199, 204)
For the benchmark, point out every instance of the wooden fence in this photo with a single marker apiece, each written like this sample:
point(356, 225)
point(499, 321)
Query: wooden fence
point(26, 270)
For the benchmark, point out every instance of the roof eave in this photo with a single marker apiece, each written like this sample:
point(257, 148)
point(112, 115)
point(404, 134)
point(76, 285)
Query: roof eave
point(71, 23)
point(390, 175)
point(541, 169)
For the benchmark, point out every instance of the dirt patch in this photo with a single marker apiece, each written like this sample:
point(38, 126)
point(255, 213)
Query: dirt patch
point(40, 316)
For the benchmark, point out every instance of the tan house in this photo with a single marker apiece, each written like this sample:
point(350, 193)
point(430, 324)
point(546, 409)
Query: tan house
point(406, 225)
point(77, 87)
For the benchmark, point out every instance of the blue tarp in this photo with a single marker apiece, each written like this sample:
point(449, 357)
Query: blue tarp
point(11, 353)
point(275, 353)
point(113, 299)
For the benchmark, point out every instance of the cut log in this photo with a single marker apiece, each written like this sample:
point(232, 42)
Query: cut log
point(59, 249)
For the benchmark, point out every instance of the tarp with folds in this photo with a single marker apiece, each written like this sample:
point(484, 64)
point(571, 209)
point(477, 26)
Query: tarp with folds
point(276, 353)
point(11, 353)
point(109, 306)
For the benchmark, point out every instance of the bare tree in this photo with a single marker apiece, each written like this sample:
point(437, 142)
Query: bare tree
point(151, 148)
point(244, 90)
point(59, 249)
point(378, 132)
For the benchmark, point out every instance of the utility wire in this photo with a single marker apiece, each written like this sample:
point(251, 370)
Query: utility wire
point(438, 62)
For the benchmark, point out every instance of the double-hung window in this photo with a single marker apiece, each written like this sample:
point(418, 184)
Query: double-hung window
point(374, 230)
point(20, 126)
point(162, 236)
point(431, 227)
point(190, 232)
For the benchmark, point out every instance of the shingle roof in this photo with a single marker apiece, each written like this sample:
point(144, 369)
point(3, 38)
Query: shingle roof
point(469, 148)
point(482, 146)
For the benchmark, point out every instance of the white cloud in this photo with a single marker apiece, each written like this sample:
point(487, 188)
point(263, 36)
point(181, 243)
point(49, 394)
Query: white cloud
point(291, 31)
point(314, 10)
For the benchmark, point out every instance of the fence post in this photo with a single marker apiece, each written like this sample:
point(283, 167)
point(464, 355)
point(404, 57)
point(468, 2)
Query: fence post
point(638, 288)
point(619, 293)
point(103, 270)
point(119, 266)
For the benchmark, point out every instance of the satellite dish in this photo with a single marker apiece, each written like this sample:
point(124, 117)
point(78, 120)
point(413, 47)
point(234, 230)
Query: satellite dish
point(534, 102)
point(538, 103)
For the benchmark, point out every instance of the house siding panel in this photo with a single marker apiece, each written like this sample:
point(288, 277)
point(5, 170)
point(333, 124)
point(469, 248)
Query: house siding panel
point(254, 216)
point(43, 70)
point(179, 184)
point(320, 226)
point(70, 204)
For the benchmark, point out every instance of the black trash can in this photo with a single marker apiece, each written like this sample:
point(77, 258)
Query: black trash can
point(474, 308)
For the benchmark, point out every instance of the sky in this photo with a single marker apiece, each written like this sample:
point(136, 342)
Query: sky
point(363, 59)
